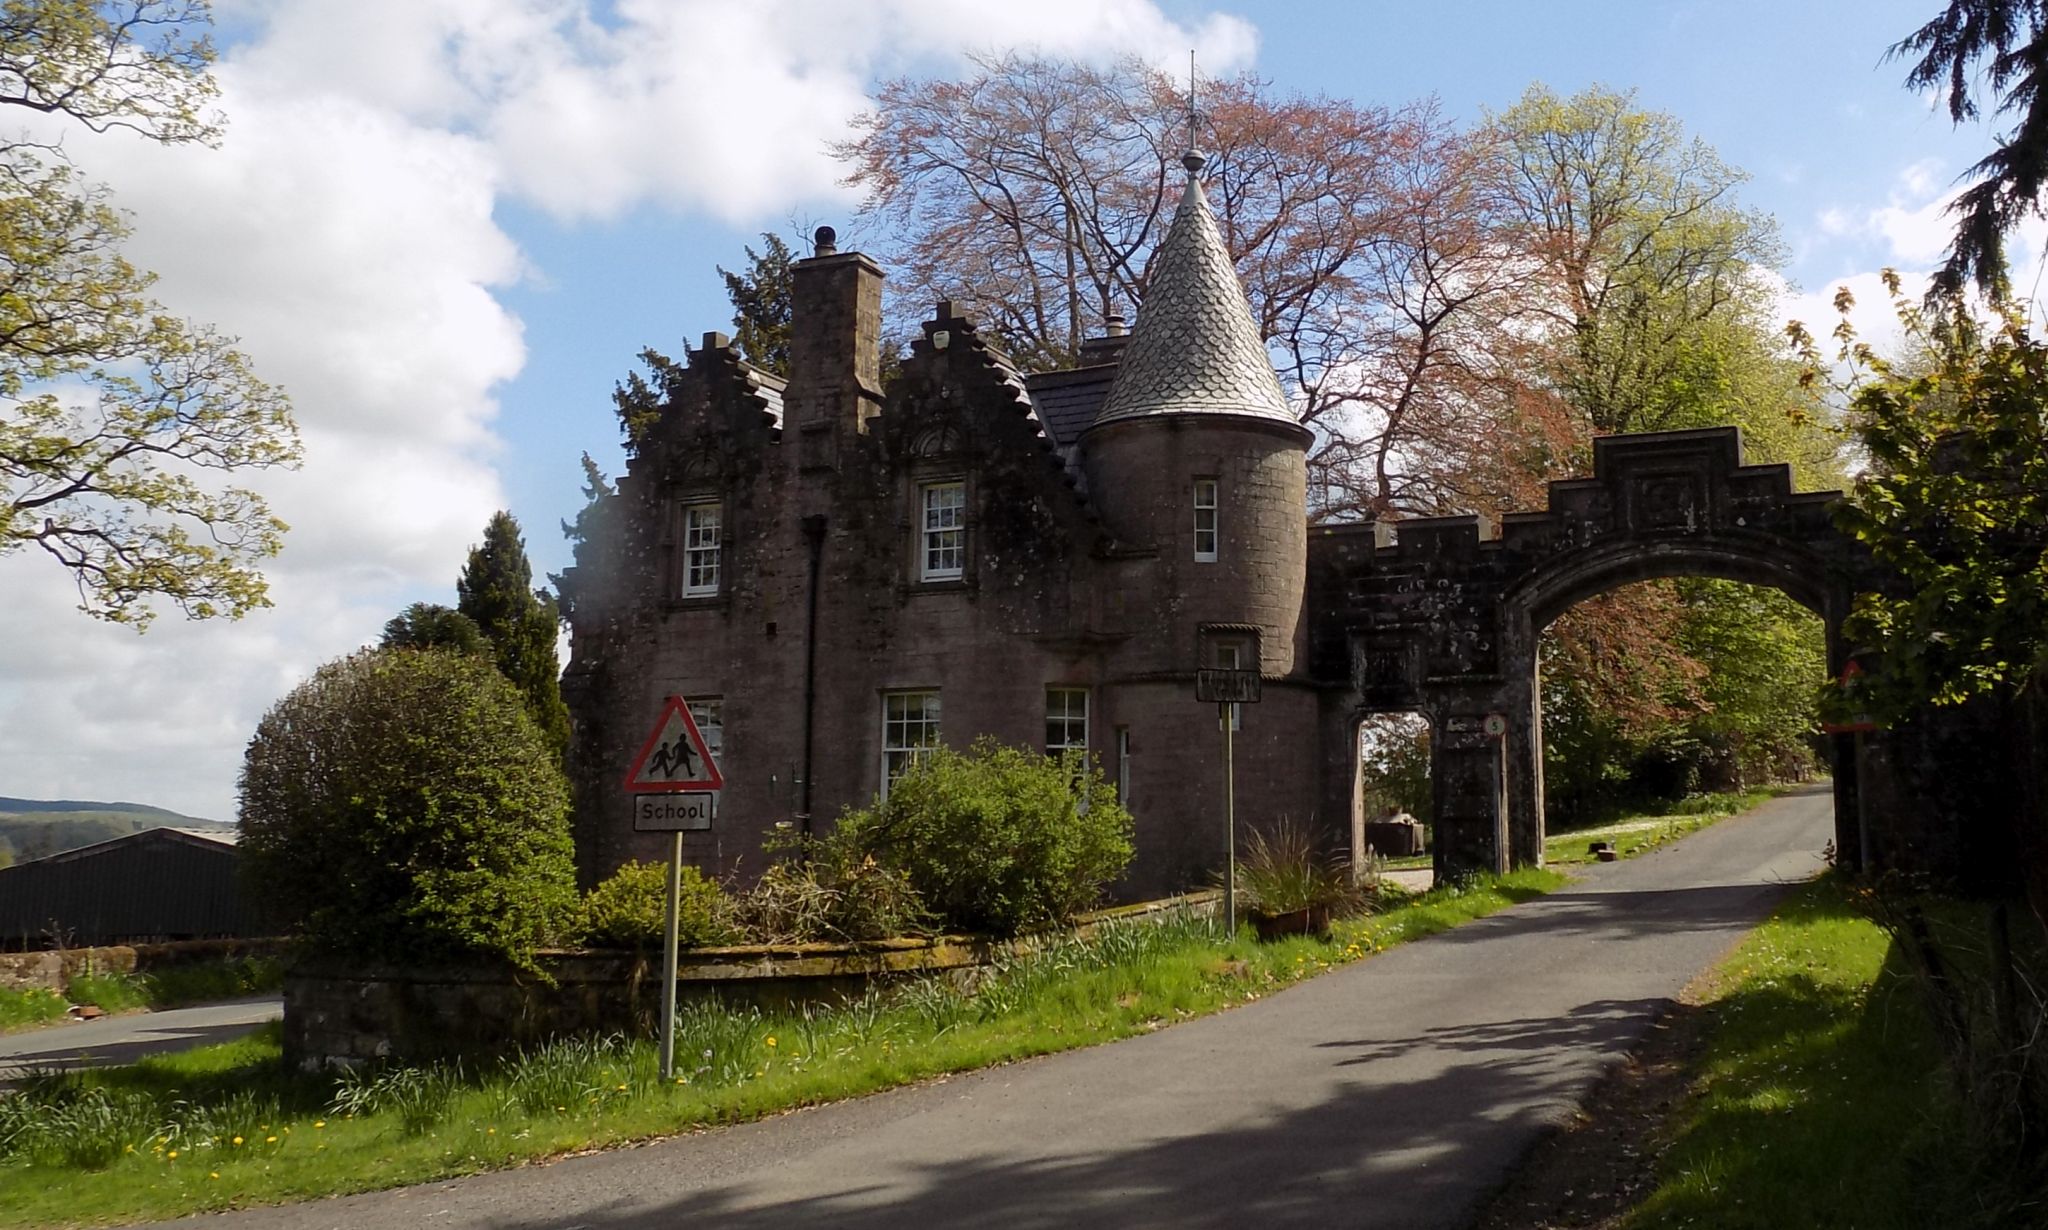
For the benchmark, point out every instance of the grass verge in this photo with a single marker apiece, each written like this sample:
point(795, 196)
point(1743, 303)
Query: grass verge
point(26, 1008)
point(173, 986)
point(1632, 835)
point(227, 1126)
point(1819, 1100)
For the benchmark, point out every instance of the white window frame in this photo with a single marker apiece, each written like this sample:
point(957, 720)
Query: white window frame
point(910, 730)
point(942, 533)
point(709, 714)
point(1207, 520)
point(702, 556)
point(1061, 719)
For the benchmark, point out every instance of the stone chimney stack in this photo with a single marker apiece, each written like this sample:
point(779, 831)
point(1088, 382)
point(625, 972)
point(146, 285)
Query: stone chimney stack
point(835, 348)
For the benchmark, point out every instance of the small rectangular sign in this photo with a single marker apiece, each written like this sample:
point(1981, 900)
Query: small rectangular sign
point(1221, 685)
point(673, 813)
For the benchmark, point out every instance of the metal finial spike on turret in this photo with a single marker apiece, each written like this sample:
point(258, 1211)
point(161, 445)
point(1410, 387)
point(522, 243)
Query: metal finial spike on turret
point(1193, 159)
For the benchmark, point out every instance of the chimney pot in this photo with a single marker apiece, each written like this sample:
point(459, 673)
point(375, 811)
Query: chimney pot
point(826, 240)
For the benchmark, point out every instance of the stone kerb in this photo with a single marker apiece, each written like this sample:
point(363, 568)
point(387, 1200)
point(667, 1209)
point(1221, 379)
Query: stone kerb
point(338, 1014)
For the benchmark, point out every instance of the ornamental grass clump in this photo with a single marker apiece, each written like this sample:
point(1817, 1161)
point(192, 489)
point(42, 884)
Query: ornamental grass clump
point(1282, 872)
point(998, 840)
point(420, 1097)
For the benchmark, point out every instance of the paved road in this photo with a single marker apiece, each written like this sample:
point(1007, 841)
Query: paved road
point(1392, 1093)
point(125, 1039)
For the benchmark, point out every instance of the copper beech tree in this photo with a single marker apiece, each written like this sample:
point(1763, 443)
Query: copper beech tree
point(1035, 194)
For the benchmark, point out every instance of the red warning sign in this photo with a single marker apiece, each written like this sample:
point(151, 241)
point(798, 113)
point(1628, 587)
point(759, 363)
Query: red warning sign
point(674, 758)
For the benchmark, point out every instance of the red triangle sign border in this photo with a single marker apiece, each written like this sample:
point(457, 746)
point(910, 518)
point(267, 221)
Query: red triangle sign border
point(656, 750)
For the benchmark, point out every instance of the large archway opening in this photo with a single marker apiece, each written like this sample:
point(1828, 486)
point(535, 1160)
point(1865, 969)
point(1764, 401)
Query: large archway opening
point(1665, 704)
point(1393, 800)
point(1664, 682)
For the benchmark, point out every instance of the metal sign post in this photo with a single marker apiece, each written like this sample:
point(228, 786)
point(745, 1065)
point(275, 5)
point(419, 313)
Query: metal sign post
point(675, 782)
point(1228, 687)
point(1229, 822)
point(670, 942)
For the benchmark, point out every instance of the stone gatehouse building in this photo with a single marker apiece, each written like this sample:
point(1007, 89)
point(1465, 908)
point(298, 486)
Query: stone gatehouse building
point(837, 575)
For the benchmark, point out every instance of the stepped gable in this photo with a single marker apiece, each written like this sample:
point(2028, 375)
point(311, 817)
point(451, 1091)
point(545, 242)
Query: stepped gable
point(1195, 349)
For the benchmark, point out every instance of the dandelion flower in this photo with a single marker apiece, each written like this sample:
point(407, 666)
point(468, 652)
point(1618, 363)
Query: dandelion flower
point(270, 1140)
point(490, 1131)
point(214, 1175)
point(238, 1142)
point(771, 1039)
point(319, 1123)
point(172, 1153)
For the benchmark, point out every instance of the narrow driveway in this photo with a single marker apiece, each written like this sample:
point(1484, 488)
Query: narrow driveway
point(1392, 1093)
point(125, 1039)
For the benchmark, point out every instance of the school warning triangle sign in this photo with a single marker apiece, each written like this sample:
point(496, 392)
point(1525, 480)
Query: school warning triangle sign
point(674, 758)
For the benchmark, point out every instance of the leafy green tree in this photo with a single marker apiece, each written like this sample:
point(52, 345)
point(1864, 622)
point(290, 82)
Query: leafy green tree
point(496, 592)
point(761, 305)
point(111, 410)
point(1956, 503)
point(1659, 319)
point(401, 805)
point(429, 625)
point(1651, 260)
point(1765, 656)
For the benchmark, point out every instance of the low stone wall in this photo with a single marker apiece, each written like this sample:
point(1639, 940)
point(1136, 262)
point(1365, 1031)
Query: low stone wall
point(342, 1014)
point(52, 969)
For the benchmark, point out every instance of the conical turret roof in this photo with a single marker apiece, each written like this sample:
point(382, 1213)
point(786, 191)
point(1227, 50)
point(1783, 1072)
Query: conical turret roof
point(1195, 348)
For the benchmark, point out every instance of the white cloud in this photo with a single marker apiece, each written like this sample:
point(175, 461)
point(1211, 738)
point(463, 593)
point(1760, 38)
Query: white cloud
point(345, 232)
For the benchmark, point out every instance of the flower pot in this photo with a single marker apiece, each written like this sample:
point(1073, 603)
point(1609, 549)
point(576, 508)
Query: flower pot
point(1308, 920)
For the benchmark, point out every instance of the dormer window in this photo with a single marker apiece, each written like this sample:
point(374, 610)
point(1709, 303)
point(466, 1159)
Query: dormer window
point(1205, 520)
point(942, 554)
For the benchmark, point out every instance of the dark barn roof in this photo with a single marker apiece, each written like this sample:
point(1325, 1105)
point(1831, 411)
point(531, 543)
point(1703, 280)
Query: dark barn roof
point(159, 884)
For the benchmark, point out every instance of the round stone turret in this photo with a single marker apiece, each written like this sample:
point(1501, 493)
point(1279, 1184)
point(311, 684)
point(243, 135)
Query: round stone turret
point(1196, 453)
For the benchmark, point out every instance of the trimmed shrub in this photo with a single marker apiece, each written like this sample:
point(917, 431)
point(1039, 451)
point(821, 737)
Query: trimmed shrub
point(401, 805)
point(630, 909)
point(998, 839)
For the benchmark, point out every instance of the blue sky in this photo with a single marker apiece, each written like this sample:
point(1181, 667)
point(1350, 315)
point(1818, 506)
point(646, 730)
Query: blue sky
point(447, 226)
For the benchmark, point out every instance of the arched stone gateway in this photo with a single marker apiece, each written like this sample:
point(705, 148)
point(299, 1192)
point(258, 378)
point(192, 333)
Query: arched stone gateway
point(1442, 615)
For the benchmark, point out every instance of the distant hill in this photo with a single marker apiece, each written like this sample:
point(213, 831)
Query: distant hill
point(34, 828)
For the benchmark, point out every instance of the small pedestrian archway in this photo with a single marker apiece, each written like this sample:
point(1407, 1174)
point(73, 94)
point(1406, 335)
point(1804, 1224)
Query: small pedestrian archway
point(1445, 618)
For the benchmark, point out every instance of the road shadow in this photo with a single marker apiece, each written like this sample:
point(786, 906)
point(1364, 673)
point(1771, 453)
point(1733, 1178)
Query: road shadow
point(1592, 913)
point(79, 1053)
point(1383, 1154)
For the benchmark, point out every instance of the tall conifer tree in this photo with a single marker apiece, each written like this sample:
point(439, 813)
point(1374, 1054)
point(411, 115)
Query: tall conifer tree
point(495, 590)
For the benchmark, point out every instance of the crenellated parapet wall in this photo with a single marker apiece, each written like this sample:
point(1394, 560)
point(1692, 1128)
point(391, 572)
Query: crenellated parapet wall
point(1442, 615)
